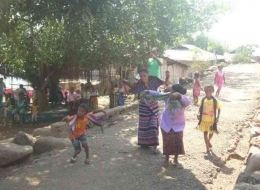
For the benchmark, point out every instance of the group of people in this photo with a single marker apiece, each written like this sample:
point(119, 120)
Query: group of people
point(171, 121)
point(87, 95)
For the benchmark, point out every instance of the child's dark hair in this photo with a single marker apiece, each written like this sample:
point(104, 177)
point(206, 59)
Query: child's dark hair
point(85, 107)
point(179, 88)
point(209, 86)
point(196, 74)
point(143, 70)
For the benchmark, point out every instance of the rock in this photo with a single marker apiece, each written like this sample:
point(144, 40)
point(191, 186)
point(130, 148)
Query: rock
point(253, 163)
point(255, 131)
point(257, 118)
point(246, 178)
point(256, 175)
point(242, 186)
point(45, 144)
point(255, 141)
point(254, 187)
point(44, 132)
point(9, 153)
point(59, 129)
point(23, 138)
point(254, 150)
point(10, 140)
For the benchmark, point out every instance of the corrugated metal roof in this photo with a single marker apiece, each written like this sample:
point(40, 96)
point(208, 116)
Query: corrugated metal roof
point(186, 53)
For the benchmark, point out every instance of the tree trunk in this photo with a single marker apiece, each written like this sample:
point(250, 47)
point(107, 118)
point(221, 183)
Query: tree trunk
point(42, 100)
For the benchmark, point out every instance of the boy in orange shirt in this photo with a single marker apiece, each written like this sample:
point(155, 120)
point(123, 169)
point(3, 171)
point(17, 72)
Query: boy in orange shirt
point(77, 131)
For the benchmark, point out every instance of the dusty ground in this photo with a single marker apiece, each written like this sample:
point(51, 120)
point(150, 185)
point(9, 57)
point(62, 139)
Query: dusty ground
point(117, 163)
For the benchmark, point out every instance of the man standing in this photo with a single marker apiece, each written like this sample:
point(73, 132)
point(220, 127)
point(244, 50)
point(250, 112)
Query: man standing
point(154, 63)
point(2, 91)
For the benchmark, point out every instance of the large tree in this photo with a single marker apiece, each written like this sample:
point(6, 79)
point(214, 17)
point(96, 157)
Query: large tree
point(51, 39)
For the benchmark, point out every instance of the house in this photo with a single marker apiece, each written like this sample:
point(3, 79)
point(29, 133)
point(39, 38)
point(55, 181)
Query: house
point(180, 59)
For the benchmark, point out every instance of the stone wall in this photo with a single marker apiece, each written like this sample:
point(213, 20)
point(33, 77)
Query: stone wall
point(249, 179)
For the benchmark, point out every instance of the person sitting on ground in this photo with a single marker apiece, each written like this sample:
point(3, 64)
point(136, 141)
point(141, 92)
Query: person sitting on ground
point(21, 105)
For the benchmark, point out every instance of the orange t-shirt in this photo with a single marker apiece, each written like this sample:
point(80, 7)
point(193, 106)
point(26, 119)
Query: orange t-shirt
point(80, 127)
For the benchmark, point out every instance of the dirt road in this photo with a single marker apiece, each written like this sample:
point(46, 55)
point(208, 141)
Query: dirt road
point(117, 163)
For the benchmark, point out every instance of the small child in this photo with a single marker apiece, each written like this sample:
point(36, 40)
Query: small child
point(86, 96)
point(167, 79)
point(121, 95)
point(196, 88)
point(71, 101)
point(172, 123)
point(78, 99)
point(34, 110)
point(66, 98)
point(219, 79)
point(8, 100)
point(77, 131)
point(94, 99)
point(208, 116)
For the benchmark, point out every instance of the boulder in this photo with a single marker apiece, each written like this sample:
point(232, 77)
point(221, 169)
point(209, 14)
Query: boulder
point(253, 163)
point(255, 141)
point(255, 131)
point(254, 187)
point(245, 178)
point(23, 139)
point(242, 186)
point(10, 153)
point(256, 175)
point(254, 150)
point(59, 129)
point(45, 144)
point(44, 132)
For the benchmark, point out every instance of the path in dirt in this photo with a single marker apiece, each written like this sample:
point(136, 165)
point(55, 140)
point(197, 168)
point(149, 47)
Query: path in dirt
point(118, 163)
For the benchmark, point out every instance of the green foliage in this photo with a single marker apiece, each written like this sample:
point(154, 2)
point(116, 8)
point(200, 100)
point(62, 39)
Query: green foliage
point(198, 63)
point(244, 54)
point(87, 34)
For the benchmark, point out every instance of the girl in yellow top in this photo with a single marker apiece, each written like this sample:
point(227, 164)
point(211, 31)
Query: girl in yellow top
point(208, 115)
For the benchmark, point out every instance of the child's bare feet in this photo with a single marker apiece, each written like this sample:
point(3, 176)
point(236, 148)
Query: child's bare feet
point(87, 162)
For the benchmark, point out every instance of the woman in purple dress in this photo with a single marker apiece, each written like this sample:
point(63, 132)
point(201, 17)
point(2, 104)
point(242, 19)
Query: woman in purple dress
point(148, 114)
point(172, 123)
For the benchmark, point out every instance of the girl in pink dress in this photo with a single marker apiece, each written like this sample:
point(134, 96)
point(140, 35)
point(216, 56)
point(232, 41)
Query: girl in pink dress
point(196, 87)
point(219, 79)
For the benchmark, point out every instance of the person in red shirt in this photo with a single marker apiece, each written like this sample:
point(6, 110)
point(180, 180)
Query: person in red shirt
point(77, 131)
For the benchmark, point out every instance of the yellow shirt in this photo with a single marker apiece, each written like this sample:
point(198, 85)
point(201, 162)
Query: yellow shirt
point(34, 109)
point(208, 110)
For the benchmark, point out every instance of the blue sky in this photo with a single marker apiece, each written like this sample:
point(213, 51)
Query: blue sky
point(240, 26)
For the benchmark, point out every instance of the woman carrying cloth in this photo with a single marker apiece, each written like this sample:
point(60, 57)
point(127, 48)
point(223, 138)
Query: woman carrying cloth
point(148, 114)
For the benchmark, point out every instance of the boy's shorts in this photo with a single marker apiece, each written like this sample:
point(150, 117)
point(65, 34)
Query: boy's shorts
point(76, 142)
